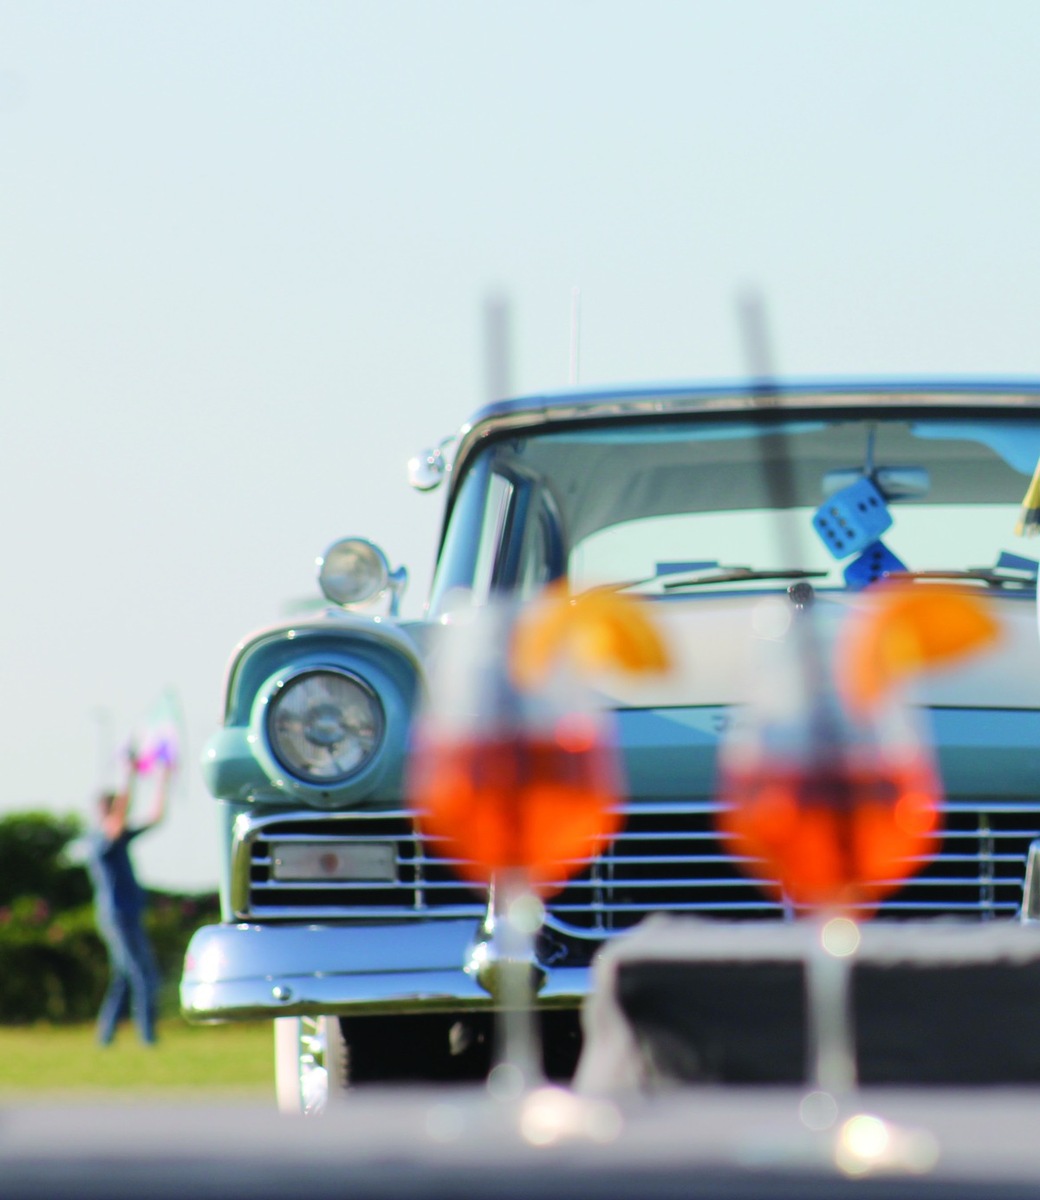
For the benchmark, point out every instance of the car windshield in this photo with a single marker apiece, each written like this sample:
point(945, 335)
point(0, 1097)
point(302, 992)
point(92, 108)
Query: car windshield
point(669, 506)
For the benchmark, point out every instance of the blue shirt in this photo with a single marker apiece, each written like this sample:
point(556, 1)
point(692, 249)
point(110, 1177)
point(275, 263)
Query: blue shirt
point(116, 890)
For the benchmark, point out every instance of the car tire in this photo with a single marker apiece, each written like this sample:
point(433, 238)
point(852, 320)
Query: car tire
point(310, 1064)
point(416, 1048)
point(318, 1059)
point(441, 1048)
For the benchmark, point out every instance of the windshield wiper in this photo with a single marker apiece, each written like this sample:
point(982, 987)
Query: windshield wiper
point(706, 575)
point(995, 577)
point(998, 577)
point(736, 575)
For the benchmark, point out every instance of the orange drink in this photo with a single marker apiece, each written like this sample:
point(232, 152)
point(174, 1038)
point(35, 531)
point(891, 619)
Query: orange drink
point(542, 802)
point(835, 834)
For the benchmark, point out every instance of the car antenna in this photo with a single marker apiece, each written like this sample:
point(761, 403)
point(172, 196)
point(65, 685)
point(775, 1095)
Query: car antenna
point(574, 365)
point(498, 365)
point(774, 456)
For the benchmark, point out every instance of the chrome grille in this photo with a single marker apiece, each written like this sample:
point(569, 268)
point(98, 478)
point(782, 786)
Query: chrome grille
point(424, 885)
point(666, 859)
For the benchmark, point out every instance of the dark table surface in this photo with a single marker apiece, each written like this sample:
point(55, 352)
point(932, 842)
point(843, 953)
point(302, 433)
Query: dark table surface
point(693, 1142)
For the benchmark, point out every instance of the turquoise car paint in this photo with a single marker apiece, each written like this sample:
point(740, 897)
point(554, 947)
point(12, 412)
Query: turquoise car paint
point(406, 945)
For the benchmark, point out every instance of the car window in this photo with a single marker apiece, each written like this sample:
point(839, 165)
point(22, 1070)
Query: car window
point(925, 537)
point(496, 510)
point(627, 500)
point(538, 553)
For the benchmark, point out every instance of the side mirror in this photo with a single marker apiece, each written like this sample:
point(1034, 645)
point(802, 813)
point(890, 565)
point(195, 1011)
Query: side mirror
point(353, 572)
point(426, 470)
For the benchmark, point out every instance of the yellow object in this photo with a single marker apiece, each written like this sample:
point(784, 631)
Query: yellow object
point(1029, 515)
point(598, 630)
point(907, 629)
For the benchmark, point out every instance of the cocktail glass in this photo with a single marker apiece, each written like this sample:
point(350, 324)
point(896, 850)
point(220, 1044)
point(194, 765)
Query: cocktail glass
point(832, 807)
point(519, 786)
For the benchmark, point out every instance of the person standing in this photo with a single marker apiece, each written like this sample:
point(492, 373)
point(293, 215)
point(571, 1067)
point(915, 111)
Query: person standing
point(119, 902)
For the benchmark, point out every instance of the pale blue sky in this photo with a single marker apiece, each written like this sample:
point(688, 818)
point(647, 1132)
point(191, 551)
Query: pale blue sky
point(244, 248)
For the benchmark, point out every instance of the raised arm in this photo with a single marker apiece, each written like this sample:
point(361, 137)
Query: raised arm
point(116, 806)
point(162, 789)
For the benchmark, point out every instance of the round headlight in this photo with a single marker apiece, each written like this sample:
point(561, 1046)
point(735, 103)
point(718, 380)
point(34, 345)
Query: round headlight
point(324, 726)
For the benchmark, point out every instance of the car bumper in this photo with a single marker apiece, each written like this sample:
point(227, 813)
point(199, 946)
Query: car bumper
point(248, 972)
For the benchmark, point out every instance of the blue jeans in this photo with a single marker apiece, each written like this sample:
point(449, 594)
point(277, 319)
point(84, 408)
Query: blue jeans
point(133, 977)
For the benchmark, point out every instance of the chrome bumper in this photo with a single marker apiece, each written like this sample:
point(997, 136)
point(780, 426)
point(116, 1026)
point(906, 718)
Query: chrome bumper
point(246, 972)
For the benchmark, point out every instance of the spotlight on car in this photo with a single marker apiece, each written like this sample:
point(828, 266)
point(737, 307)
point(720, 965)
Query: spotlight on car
point(354, 572)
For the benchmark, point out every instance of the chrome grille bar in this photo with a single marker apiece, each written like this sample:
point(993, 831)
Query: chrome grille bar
point(667, 858)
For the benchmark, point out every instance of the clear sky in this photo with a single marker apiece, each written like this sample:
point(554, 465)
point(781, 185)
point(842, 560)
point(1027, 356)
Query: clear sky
point(244, 248)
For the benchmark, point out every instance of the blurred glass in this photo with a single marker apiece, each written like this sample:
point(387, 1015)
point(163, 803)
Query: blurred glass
point(832, 809)
point(518, 787)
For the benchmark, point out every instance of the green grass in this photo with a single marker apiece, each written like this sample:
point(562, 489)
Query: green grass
point(41, 1062)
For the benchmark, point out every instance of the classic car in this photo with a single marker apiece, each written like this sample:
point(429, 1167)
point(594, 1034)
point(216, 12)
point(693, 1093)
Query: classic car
point(353, 932)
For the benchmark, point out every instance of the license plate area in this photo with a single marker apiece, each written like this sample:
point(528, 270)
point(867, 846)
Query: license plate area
point(323, 861)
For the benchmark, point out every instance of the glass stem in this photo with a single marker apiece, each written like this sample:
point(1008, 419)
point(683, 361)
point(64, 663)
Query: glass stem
point(832, 1046)
point(518, 1042)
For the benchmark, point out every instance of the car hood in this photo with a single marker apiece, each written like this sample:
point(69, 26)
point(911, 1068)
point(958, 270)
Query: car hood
point(713, 645)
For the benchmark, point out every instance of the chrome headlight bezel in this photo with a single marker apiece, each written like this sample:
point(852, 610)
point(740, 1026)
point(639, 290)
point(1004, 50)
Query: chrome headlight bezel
point(290, 773)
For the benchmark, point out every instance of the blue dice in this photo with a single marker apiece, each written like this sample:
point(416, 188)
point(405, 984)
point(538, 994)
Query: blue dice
point(873, 564)
point(852, 518)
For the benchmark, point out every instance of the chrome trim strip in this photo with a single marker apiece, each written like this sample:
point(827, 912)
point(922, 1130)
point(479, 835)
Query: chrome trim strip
point(337, 912)
point(1029, 913)
point(243, 831)
point(677, 401)
point(339, 995)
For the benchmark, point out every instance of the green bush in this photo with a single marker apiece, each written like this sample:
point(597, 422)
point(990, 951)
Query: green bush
point(49, 966)
point(34, 860)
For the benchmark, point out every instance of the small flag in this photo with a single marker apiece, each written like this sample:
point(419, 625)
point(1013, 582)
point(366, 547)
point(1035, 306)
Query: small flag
point(1029, 515)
